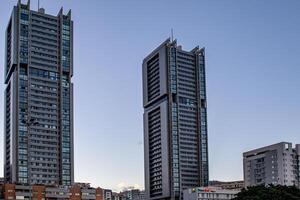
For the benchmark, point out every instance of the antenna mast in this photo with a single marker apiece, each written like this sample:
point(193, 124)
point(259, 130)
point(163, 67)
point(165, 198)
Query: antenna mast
point(38, 5)
point(172, 39)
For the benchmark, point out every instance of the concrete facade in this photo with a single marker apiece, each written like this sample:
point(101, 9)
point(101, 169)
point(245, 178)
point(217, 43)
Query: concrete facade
point(133, 194)
point(209, 193)
point(42, 192)
point(277, 164)
point(175, 121)
point(38, 137)
point(107, 194)
point(228, 185)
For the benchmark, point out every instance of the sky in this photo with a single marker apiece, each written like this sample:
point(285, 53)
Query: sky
point(252, 65)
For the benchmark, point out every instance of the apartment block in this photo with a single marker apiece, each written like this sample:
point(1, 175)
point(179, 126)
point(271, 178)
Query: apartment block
point(107, 194)
point(228, 185)
point(42, 192)
point(209, 193)
point(277, 164)
point(38, 135)
point(133, 194)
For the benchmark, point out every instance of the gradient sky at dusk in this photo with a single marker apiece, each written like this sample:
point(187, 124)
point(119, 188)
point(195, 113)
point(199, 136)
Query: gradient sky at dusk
point(253, 78)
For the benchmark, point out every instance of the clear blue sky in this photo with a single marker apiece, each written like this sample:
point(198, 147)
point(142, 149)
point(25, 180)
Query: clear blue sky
point(253, 78)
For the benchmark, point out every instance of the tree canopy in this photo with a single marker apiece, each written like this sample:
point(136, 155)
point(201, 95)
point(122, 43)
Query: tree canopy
point(270, 192)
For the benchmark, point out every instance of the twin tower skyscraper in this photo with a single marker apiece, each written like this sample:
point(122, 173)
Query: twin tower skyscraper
point(175, 121)
point(38, 123)
point(38, 138)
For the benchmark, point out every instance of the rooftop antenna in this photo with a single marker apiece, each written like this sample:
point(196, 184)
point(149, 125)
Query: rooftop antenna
point(38, 5)
point(172, 38)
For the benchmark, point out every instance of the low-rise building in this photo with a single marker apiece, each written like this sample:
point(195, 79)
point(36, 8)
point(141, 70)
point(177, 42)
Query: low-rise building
point(209, 193)
point(228, 185)
point(42, 192)
point(277, 164)
point(116, 196)
point(107, 194)
point(133, 194)
point(79, 191)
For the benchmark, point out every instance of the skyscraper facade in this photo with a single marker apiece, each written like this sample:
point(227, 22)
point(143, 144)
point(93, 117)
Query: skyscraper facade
point(175, 121)
point(38, 138)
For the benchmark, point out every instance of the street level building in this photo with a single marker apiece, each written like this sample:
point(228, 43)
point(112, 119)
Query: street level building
point(132, 194)
point(228, 185)
point(107, 194)
point(175, 121)
point(38, 137)
point(42, 192)
point(277, 164)
point(209, 193)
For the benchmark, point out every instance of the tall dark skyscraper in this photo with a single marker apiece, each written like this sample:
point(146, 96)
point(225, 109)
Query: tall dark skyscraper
point(175, 121)
point(38, 138)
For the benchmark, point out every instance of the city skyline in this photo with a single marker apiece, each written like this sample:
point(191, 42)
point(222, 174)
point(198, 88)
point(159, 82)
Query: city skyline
point(250, 67)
